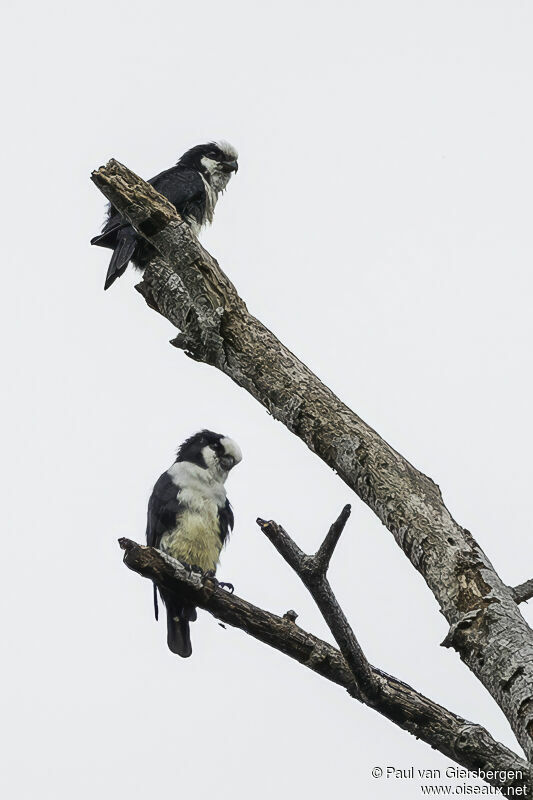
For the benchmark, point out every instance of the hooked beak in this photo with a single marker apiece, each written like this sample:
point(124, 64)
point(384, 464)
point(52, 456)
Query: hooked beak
point(227, 462)
point(230, 166)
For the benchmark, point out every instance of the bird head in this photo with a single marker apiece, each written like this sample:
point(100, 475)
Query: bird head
point(212, 451)
point(216, 161)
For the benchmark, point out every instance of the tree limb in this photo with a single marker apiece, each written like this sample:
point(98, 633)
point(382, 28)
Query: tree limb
point(466, 743)
point(185, 284)
point(523, 592)
point(326, 549)
point(312, 572)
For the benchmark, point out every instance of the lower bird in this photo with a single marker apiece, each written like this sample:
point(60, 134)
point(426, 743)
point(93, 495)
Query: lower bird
point(192, 186)
point(190, 518)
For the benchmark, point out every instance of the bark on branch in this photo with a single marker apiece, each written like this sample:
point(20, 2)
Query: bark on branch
point(466, 743)
point(523, 592)
point(186, 285)
point(327, 548)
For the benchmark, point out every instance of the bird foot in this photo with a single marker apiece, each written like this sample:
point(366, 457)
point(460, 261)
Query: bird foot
point(210, 574)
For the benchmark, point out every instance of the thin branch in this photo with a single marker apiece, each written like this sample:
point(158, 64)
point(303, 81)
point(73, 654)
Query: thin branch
point(326, 549)
point(286, 547)
point(466, 743)
point(523, 592)
point(312, 572)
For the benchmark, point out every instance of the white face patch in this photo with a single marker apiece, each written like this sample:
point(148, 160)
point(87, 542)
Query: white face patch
point(219, 470)
point(216, 182)
point(210, 459)
point(231, 448)
point(199, 484)
point(210, 164)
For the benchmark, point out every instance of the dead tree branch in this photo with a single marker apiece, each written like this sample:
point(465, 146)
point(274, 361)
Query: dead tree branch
point(185, 284)
point(523, 592)
point(327, 548)
point(466, 743)
point(312, 572)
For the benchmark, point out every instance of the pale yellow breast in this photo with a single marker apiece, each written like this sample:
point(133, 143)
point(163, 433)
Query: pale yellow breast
point(195, 539)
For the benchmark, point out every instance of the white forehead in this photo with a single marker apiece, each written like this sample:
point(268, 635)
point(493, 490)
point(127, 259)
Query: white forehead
point(231, 448)
point(227, 149)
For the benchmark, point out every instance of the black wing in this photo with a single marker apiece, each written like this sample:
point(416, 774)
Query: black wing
point(183, 187)
point(163, 508)
point(226, 520)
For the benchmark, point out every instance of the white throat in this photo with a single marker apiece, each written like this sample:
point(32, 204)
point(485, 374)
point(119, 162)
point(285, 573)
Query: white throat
point(215, 183)
point(197, 484)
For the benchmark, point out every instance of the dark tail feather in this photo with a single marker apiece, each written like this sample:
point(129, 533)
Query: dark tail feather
point(178, 635)
point(122, 254)
point(104, 239)
point(109, 235)
point(156, 606)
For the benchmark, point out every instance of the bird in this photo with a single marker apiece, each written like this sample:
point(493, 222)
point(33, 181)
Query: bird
point(192, 186)
point(190, 519)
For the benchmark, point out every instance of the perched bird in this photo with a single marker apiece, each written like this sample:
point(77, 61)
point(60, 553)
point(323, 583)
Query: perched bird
point(192, 186)
point(190, 517)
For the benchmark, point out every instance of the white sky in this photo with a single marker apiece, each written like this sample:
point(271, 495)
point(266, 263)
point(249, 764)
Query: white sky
point(380, 224)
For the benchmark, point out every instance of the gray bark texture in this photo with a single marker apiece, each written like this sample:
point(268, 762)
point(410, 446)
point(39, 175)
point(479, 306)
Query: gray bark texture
point(523, 592)
point(186, 285)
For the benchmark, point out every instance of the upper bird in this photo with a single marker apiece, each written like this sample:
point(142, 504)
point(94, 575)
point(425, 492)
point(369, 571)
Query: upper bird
point(190, 517)
point(192, 186)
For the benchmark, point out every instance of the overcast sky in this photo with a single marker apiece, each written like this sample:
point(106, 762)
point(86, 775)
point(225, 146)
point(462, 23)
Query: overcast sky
point(380, 225)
